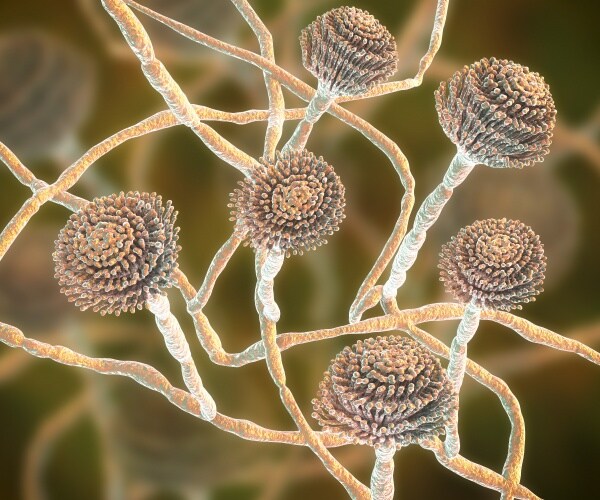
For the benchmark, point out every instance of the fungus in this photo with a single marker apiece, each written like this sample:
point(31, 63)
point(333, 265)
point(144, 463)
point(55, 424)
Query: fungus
point(116, 252)
point(348, 51)
point(497, 113)
point(496, 263)
point(291, 204)
point(385, 391)
point(493, 263)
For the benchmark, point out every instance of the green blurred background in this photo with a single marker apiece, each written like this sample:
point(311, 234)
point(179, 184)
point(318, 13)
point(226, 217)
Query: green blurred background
point(66, 434)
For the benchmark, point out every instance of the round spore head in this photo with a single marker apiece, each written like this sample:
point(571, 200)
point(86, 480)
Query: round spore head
point(385, 391)
point(497, 263)
point(116, 251)
point(348, 51)
point(292, 203)
point(497, 113)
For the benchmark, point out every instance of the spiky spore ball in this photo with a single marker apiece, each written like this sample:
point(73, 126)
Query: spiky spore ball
point(292, 203)
point(348, 51)
point(497, 113)
point(385, 391)
point(497, 263)
point(116, 251)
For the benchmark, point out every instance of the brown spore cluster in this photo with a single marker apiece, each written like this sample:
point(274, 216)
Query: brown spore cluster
point(497, 113)
point(348, 51)
point(292, 203)
point(115, 252)
point(385, 391)
point(497, 263)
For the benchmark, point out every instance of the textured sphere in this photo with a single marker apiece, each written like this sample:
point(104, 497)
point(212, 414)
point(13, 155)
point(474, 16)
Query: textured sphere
point(498, 263)
point(117, 251)
point(348, 51)
point(385, 391)
point(46, 88)
point(292, 203)
point(497, 113)
point(535, 195)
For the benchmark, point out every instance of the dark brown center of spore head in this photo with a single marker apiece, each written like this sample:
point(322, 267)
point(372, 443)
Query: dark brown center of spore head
point(499, 250)
point(297, 200)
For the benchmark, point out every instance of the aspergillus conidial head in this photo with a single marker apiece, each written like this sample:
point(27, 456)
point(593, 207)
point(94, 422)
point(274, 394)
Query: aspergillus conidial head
point(117, 251)
point(385, 391)
point(497, 113)
point(497, 263)
point(291, 203)
point(348, 51)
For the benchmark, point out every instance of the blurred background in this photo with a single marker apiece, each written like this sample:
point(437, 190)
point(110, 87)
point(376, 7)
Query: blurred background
point(67, 81)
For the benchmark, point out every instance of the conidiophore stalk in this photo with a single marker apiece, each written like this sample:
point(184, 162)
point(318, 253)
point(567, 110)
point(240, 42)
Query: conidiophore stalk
point(458, 352)
point(492, 263)
point(178, 347)
point(497, 113)
point(270, 268)
point(456, 369)
point(317, 106)
point(382, 478)
point(349, 52)
point(428, 213)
